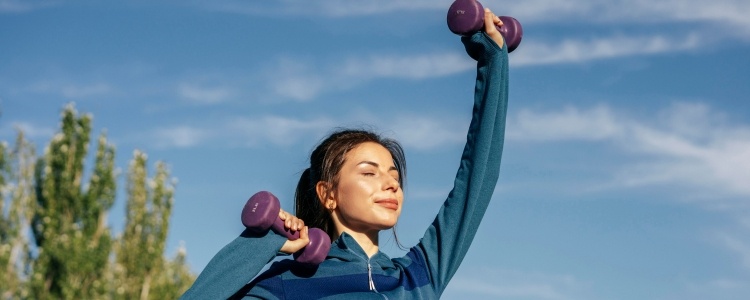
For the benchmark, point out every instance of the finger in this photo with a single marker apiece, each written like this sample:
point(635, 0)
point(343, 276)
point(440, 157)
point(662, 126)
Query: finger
point(282, 214)
point(295, 225)
point(498, 21)
point(304, 236)
point(489, 21)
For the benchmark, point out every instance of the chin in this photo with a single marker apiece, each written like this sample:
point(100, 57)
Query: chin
point(387, 224)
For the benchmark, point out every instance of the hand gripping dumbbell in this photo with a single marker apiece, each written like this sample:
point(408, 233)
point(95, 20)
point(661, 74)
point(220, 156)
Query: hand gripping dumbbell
point(261, 212)
point(465, 17)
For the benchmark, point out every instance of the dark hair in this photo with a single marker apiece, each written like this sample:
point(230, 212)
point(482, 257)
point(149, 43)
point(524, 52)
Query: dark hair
point(325, 163)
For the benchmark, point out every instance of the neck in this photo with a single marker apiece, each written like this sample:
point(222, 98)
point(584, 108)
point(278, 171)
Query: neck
point(367, 241)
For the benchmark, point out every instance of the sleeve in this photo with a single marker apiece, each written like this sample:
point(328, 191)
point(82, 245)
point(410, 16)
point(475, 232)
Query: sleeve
point(235, 265)
point(448, 238)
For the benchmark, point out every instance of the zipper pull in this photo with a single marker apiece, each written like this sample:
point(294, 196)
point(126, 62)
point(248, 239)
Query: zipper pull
point(369, 274)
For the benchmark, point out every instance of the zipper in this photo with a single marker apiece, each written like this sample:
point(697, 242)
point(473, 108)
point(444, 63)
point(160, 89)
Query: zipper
point(369, 272)
point(369, 275)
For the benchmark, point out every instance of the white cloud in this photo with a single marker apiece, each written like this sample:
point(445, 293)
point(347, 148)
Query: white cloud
point(569, 123)
point(179, 137)
point(719, 288)
point(409, 67)
point(277, 130)
point(202, 94)
point(733, 12)
point(16, 6)
point(324, 8)
point(576, 51)
point(738, 246)
point(72, 91)
point(688, 145)
point(244, 132)
point(76, 92)
point(421, 132)
point(29, 130)
point(301, 80)
point(483, 283)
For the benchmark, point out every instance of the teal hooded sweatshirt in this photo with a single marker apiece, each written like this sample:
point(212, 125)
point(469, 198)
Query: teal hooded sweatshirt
point(347, 272)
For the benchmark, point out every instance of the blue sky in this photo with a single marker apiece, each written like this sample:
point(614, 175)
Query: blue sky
point(626, 170)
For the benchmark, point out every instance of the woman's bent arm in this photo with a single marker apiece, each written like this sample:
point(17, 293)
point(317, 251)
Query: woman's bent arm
point(235, 265)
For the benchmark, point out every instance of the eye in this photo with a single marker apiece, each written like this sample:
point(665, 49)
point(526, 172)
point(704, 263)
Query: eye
point(368, 174)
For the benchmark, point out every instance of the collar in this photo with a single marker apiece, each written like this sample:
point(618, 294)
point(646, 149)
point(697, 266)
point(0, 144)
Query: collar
point(346, 248)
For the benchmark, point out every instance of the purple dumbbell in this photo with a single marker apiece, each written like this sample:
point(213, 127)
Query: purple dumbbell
point(465, 17)
point(261, 212)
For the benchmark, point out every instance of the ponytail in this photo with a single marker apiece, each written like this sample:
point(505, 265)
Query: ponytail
point(308, 206)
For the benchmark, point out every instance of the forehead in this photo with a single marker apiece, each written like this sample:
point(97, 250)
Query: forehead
point(369, 151)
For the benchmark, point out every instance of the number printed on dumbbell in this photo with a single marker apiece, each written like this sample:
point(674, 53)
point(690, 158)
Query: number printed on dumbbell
point(460, 12)
point(255, 207)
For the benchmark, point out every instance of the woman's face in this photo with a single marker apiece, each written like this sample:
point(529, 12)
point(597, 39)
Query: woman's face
point(368, 196)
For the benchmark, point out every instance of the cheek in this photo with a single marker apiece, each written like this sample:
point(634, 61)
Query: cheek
point(354, 193)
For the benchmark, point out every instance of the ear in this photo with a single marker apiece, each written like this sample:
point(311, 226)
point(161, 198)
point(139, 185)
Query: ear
point(325, 195)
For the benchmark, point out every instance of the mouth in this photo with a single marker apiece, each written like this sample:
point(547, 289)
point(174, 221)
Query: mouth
point(391, 204)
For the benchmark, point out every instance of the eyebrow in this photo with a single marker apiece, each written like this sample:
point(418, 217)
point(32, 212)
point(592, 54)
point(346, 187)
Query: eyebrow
point(374, 164)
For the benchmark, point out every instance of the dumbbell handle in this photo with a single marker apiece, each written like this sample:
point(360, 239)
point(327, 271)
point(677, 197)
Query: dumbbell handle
point(261, 212)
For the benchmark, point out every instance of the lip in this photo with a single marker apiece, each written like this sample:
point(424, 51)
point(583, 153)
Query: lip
point(388, 203)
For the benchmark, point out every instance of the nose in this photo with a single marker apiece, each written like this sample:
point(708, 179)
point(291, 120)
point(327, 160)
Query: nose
point(391, 183)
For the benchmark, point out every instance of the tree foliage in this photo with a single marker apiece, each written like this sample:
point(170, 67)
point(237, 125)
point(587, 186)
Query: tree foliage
point(16, 172)
point(55, 242)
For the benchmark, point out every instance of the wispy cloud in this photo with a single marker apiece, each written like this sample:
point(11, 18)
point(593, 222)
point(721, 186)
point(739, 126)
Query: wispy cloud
point(423, 133)
point(18, 6)
point(568, 123)
point(734, 242)
point(407, 67)
point(277, 130)
point(738, 246)
point(72, 90)
point(733, 12)
point(240, 132)
point(719, 288)
point(482, 283)
point(179, 136)
point(329, 8)
point(627, 10)
point(203, 95)
point(302, 80)
point(688, 144)
point(576, 51)
point(30, 131)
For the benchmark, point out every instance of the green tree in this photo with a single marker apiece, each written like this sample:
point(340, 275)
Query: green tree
point(140, 263)
point(55, 242)
point(72, 238)
point(16, 176)
point(175, 278)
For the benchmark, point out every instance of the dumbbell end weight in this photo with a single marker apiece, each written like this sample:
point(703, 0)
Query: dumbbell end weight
point(261, 212)
point(465, 17)
point(317, 250)
point(512, 32)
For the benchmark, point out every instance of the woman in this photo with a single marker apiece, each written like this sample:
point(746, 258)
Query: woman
point(353, 190)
